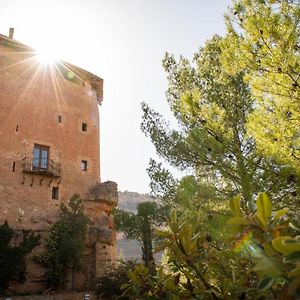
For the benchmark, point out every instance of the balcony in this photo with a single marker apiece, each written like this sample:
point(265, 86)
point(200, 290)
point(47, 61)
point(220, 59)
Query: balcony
point(43, 167)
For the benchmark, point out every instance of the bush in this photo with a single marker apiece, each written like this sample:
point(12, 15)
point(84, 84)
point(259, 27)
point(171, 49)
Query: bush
point(65, 243)
point(109, 286)
point(12, 258)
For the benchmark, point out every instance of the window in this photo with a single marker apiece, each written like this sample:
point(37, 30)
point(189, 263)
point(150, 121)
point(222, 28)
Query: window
point(40, 157)
point(55, 193)
point(84, 126)
point(83, 165)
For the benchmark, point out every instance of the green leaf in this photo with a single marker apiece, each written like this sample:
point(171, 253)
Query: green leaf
point(284, 245)
point(124, 286)
point(280, 213)
point(267, 266)
point(238, 221)
point(162, 233)
point(293, 257)
point(234, 205)
point(265, 283)
point(295, 272)
point(264, 208)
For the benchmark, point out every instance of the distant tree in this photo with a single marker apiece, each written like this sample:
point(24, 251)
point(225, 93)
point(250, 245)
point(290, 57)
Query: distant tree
point(263, 39)
point(65, 243)
point(140, 226)
point(12, 258)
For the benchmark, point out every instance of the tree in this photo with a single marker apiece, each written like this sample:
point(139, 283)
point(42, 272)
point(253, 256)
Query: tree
point(65, 243)
point(218, 142)
point(12, 258)
point(140, 226)
point(263, 39)
point(212, 108)
point(163, 185)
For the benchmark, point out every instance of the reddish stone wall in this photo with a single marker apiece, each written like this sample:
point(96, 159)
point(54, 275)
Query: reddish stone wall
point(100, 246)
point(32, 97)
point(47, 105)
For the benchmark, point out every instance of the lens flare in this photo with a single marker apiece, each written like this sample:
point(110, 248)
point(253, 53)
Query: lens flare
point(247, 245)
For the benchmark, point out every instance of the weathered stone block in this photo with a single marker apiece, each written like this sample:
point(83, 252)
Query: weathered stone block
point(104, 192)
point(103, 235)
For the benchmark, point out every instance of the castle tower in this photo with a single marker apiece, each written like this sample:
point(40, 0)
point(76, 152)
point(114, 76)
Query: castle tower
point(49, 133)
point(49, 144)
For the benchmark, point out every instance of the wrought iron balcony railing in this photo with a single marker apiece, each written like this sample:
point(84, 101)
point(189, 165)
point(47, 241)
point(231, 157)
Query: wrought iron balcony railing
point(41, 166)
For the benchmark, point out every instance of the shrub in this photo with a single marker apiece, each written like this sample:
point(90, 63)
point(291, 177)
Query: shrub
point(109, 286)
point(12, 258)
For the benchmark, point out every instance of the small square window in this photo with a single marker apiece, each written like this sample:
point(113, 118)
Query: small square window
point(55, 193)
point(83, 165)
point(84, 126)
point(59, 119)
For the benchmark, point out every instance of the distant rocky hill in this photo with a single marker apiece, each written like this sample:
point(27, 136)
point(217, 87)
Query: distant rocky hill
point(129, 200)
point(130, 249)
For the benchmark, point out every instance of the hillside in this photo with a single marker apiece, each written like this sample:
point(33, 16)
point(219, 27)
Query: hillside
point(129, 200)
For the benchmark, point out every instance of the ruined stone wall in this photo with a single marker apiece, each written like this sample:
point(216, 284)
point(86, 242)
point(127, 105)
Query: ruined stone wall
point(99, 253)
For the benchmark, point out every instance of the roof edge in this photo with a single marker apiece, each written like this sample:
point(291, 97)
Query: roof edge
point(95, 81)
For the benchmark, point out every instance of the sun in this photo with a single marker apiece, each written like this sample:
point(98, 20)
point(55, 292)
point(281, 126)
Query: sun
point(46, 58)
point(47, 55)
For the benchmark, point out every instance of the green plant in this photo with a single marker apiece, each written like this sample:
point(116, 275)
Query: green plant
point(65, 243)
point(197, 264)
point(271, 240)
point(263, 40)
point(12, 258)
point(109, 286)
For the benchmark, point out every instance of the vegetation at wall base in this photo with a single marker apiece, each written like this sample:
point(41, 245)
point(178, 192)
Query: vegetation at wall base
point(65, 243)
point(109, 286)
point(13, 257)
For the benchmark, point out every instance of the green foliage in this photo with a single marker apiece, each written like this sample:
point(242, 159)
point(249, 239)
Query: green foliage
point(144, 285)
point(237, 108)
point(65, 242)
point(109, 286)
point(263, 40)
point(212, 108)
point(12, 257)
point(198, 264)
point(140, 226)
point(162, 183)
point(272, 245)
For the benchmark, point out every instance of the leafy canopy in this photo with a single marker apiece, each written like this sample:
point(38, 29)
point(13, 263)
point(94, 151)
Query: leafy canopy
point(263, 39)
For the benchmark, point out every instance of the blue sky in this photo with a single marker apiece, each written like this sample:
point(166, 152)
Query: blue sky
point(122, 41)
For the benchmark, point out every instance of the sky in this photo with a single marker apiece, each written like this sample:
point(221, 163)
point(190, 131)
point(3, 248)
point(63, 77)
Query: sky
point(123, 42)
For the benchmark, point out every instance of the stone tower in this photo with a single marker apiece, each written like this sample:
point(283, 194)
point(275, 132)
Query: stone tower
point(49, 150)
